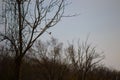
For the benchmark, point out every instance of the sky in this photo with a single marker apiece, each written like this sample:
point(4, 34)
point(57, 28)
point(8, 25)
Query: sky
point(100, 19)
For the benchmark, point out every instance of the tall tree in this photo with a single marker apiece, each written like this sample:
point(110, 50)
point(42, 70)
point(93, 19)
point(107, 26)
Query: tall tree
point(24, 21)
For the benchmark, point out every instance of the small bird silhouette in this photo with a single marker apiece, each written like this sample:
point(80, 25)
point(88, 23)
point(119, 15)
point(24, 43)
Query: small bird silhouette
point(50, 33)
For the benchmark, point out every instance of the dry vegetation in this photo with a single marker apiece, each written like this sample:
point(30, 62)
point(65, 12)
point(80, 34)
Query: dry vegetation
point(51, 61)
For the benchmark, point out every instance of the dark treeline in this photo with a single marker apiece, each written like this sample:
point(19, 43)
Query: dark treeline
point(52, 61)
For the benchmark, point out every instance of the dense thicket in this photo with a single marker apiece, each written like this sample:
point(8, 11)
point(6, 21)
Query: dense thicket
point(52, 61)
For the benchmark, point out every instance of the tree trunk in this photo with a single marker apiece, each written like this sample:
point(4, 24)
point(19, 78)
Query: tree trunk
point(17, 69)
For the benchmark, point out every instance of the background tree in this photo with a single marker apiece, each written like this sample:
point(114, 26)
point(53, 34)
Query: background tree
point(24, 21)
point(83, 59)
point(49, 56)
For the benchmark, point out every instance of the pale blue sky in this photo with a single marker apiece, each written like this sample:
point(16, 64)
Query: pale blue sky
point(100, 18)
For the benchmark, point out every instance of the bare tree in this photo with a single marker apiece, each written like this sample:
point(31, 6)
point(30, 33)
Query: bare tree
point(50, 57)
point(83, 58)
point(24, 21)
